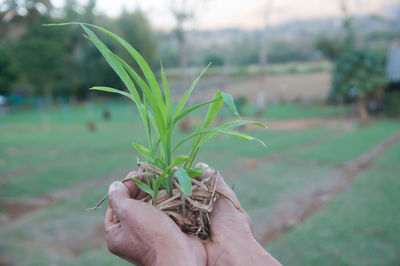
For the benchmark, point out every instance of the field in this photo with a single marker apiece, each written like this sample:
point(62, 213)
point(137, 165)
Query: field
point(52, 168)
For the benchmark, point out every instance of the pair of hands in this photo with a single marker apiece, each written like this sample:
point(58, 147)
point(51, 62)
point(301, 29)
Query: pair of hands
point(145, 235)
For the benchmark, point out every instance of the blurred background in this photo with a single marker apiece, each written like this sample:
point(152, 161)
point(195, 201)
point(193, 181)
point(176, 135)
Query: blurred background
point(324, 76)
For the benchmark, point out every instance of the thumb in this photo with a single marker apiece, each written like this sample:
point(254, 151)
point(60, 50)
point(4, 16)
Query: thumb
point(207, 171)
point(118, 194)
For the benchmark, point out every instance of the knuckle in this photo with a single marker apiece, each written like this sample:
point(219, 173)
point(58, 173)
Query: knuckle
point(111, 246)
point(123, 208)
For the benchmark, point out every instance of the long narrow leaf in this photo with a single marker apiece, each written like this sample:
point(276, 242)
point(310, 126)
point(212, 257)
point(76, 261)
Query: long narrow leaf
point(230, 103)
point(144, 151)
point(135, 54)
point(185, 97)
point(178, 160)
point(139, 60)
point(146, 188)
point(147, 124)
point(185, 112)
point(213, 109)
point(155, 106)
point(167, 96)
point(116, 66)
point(238, 123)
point(217, 130)
point(230, 125)
point(112, 90)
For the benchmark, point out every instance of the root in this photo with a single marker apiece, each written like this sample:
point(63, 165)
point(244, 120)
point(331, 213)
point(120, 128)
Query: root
point(190, 213)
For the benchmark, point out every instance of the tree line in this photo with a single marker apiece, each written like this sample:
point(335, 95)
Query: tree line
point(51, 63)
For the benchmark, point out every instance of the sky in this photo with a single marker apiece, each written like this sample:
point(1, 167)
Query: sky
point(249, 14)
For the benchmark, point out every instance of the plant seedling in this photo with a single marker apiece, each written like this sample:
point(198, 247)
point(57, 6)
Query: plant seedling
point(168, 179)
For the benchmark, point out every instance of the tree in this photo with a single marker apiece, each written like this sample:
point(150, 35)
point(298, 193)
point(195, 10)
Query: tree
point(358, 74)
point(38, 57)
point(7, 76)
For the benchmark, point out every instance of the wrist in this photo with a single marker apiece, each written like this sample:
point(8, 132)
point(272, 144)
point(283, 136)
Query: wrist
point(239, 251)
point(186, 252)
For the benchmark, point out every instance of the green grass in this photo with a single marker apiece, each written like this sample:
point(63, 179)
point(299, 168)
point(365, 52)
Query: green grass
point(35, 161)
point(287, 111)
point(344, 147)
point(360, 227)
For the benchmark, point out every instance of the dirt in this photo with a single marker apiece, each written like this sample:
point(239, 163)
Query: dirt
point(301, 124)
point(91, 239)
point(16, 208)
point(294, 210)
point(251, 163)
point(276, 87)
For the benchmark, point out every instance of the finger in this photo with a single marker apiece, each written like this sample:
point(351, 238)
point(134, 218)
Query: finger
point(225, 190)
point(132, 187)
point(221, 184)
point(134, 191)
point(118, 193)
point(108, 220)
point(207, 170)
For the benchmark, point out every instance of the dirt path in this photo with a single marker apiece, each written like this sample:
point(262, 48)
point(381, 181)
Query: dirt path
point(295, 209)
point(277, 87)
point(16, 208)
point(252, 163)
point(301, 124)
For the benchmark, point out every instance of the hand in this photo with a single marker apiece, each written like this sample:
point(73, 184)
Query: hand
point(145, 235)
point(232, 237)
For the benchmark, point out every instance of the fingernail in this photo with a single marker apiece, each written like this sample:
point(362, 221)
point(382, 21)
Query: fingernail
point(207, 169)
point(132, 173)
point(202, 165)
point(114, 186)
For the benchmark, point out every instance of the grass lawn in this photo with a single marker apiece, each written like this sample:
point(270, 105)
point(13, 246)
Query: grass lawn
point(42, 153)
point(360, 227)
point(287, 111)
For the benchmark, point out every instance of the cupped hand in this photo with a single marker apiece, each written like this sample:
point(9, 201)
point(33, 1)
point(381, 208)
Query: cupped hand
point(232, 239)
point(145, 235)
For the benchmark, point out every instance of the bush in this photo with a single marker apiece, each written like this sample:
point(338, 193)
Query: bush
point(357, 74)
point(391, 103)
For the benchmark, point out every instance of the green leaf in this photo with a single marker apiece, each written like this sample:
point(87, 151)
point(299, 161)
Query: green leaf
point(165, 184)
point(213, 109)
point(146, 188)
point(220, 131)
point(191, 109)
point(184, 181)
point(167, 96)
point(155, 105)
point(185, 97)
point(139, 60)
point(194, 172)
point(115, 65)
point(238, 123)
point(112, 90)
point(178, 160)
point(230, 125)
point(144, 151)
point(230, 103)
